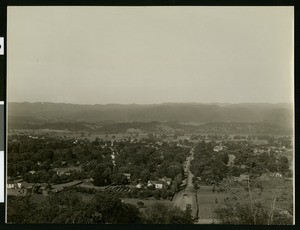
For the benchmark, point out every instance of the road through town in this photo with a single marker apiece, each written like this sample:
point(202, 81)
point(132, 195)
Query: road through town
point(187, 195)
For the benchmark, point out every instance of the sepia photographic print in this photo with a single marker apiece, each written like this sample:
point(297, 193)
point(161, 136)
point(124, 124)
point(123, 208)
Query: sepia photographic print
point(150, 115)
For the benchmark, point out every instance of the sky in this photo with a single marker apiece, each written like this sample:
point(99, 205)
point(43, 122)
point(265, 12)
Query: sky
point(150, 55)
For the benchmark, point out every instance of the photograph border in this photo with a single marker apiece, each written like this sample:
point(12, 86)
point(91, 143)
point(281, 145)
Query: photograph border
point(3, 95)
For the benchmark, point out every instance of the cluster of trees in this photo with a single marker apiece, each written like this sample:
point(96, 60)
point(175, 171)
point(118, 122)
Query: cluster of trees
point(149, 163)
point(285, 141)
point(43, 155)
point(144, 160)
point(104, 207)
point(210, 166)
point(259, 164)
point(69, 207)
point(162, 214)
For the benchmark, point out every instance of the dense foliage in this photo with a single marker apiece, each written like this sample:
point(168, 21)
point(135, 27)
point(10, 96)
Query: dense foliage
point(143, 160)
point(209, 165)
point(104, 207)
point(213, 166)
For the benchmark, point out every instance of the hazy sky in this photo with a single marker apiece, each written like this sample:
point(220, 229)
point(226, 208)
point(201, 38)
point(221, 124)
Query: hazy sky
point(100, 55)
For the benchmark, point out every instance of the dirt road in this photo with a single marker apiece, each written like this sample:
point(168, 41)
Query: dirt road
point(187, 195)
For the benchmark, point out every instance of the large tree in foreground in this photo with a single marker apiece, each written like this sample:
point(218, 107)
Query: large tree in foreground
point(163, 214)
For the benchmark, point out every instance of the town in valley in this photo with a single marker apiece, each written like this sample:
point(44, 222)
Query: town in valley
point(155, 172)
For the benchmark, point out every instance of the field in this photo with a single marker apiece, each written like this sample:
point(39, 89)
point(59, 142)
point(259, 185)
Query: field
point(208, 200)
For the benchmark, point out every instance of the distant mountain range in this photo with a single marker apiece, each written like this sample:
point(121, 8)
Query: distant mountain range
point(22, 115)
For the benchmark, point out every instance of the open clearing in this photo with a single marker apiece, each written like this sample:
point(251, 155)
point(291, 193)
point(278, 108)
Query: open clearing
point(208, 200)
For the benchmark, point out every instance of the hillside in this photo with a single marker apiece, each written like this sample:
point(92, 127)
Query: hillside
point(171, 117)
point(279, 114)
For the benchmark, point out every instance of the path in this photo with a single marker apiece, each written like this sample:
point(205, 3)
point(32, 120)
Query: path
point(187, 195)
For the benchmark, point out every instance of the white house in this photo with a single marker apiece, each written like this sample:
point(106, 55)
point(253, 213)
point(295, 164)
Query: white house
point(139, 186)
point(159, 185)
point(14, 185)
point(128, 175)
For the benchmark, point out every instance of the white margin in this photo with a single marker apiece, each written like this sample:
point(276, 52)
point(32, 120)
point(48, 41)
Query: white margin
point(2, 176)
point(2, 169)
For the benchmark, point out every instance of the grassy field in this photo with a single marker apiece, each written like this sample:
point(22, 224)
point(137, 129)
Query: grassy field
point(208, 200)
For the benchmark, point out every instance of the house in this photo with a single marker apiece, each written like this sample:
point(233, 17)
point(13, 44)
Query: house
point(14, 184)
point(128, 176)
point(275, 174)
point(60, 171)
point(10, 185)
point(218, 148)
point(66, 171)
point(139, 186)
point(167, 180)
point(150, 183)
point(157, 184)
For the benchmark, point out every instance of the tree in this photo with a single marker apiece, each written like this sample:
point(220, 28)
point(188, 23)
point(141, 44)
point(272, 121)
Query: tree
point(162, 214)
point(195, 183)
point(283, 164)
point(21, 209)
point(188, 214)
point(113, 210)
point(119, 179)
point(156, 194)
point(145, 175)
